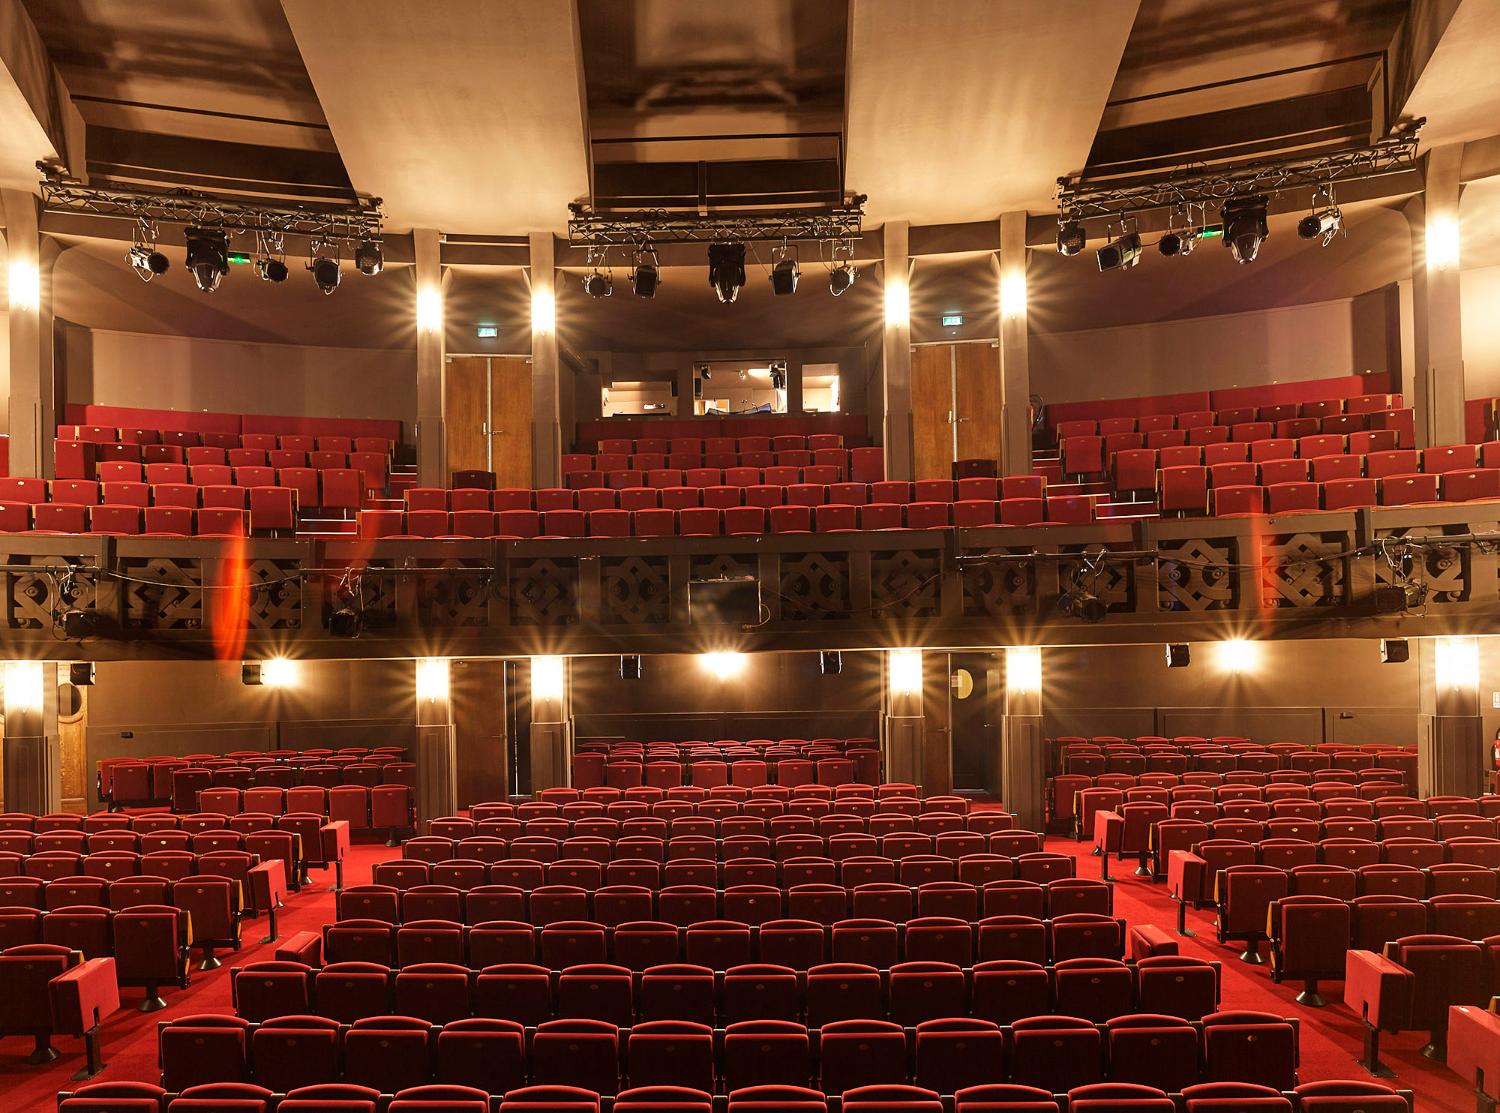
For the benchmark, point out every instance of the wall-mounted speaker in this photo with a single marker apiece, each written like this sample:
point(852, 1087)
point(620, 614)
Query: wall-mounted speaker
point(1394, 651)
point(830, 662)
point(630, 667)
point(81, 673)
point(1179, 655)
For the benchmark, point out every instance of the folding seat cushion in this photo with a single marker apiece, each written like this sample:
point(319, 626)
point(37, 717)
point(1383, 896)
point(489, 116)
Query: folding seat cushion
point(1082, 455)
point(1225, 452)
point(1259, 1048)
point(1404, 490)
point(671, 1052)
point(1183, 489)
point(1354, 1096)
point(1471, 485)
point(861, 1052)
point(1348, 494)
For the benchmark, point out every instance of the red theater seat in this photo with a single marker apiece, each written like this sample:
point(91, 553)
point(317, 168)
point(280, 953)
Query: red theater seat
point(1348, 494)
point(1403, 490)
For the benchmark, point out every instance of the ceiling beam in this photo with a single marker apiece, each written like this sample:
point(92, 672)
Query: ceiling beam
point(1444, 68)
point(464, 116)
point(38, 120)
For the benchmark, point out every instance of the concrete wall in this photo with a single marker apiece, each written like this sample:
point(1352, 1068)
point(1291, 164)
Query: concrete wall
point(1481, 299)
point(194, 373)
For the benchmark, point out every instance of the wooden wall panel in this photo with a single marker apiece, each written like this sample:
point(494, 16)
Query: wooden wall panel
point(977, 400)
point(464, 389)
point(510, 420)
point(931, 401)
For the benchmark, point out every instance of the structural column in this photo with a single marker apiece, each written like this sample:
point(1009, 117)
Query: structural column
point(33, 385)
point(1451, 751)
point(1023, 754)
point(1015, 366)
point(903, 724)
point(437, 755)
point(551, 723)
point(1437, 331)
point(32, 750)
point(432, 434)
point(546, 408)
point(896, 352)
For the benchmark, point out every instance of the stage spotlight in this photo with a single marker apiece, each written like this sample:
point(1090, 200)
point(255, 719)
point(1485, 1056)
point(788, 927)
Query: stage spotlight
point(1082, 604)
point(147, 261)
point(784, 276)
point(1245, 227)
point(271, 270)
point(77, 625)
point(830, 662)
point(726, 269)
point(646, 276)
point(369, 258)
point(1170, 244)
point(1179, 655)
point(1122, 254)
point(598, 285)
point(1321, 224)
point(207, 257)
point(844, 272)
point(346, 622)
point(326, 273)
point(1071, 238)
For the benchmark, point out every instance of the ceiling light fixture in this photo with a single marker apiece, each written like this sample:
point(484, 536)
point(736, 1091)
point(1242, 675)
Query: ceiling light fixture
point(326, 271)
point(784, 270)
point(646, 276)
point(369, 258)
point(147, 261)
point(726, 270)
point(1071, 238)
point(1245, 227)
point(1323, 222)
point(844, 272)
point(207, 256)
point(1121, 254)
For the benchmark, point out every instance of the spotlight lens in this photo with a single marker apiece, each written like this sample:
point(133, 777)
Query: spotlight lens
point(1170, 244)
point(598, 285)
point(369, 258)
point(157, 263)
point(1309, 227)
point(841, 278)
point(644, 280)
point(1071, 238)
point(327, 274)
point(726, 270)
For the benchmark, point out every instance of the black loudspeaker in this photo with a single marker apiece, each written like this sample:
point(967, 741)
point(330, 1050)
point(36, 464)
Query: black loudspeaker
point(830, 662)
point(730, 601)
point(81, 673)
point(1394, 651)
point(630, 667)
point(1389, 600)
point(250, 673)
point(1179, 655)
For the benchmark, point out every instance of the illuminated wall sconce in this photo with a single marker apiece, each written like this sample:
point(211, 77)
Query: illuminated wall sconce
point(1238, 655)
point(429, 309)
point(23, 686)
point(897, 303)
point(1013, 293)
point(1023, 668)
point(1456, 662)
point(549, 678)
point(723, 665)
point(905, 671)
point(1442, 242)
point(432, 679)
point(543, 310)
point(25, 286)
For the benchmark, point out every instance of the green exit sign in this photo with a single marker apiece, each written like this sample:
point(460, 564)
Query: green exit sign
point(487, 332)
point(953, 320)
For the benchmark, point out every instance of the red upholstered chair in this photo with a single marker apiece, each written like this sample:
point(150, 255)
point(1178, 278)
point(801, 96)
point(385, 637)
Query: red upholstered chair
point(1082, 455)
point(1134, 470)
point(1348, 494)
point(971, 513)
point(1275, 448)
point(790, 519)
point(1055, 1053)
point(927, 515)
point(1225, 452)
point(1184, 489)
point(1291, 498)
point(151, 949)
point(880, 515)
point(1471, 484)
point(1404, 490)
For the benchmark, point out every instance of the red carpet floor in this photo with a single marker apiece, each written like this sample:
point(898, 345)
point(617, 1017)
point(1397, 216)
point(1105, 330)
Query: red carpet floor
point(1330, 1038)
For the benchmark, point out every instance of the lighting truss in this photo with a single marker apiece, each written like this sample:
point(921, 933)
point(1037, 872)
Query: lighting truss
point(587, 228)
point(1397, 152)
point(361, 220)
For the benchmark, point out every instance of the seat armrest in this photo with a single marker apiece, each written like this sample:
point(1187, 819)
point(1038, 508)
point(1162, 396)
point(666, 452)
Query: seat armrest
point(1378, 990)
point(84, 996)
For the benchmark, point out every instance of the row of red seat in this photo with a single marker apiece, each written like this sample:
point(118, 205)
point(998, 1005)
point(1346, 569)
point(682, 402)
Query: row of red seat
point(81, 461)
point(737, 521)
point(885, 790)
point(908, 993)
point(1130, 463)
point(836, 462)
point(679, 492)
point(1315, 458)
point(1312, 410)
point(705, 769)
point(302, 788)
point(784, 442)
point(1209, 1097)
point(273, 505)
point(499, 895)
point(1054, 1053)
point(225, 441)
point(1191, 492)
point(678, 817)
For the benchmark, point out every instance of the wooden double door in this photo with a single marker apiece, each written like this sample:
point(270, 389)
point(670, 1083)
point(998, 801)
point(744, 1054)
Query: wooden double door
point(487, 414)
point(955, 406)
